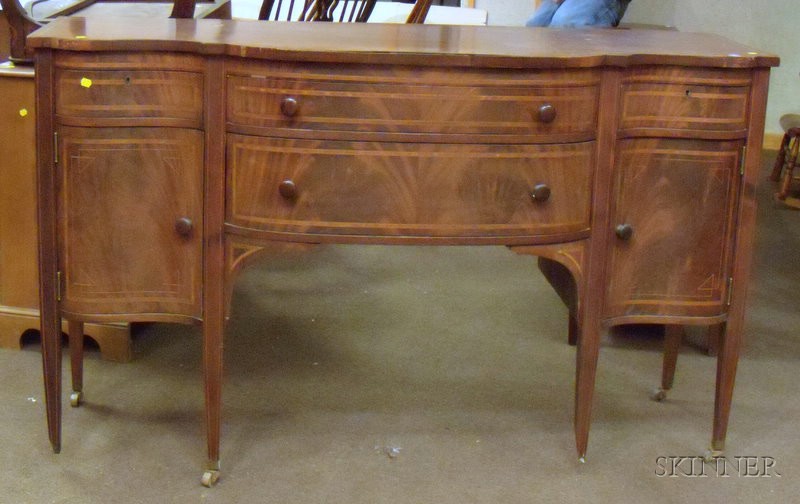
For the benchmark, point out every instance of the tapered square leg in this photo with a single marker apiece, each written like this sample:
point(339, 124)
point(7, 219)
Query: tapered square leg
point(586, 369)
point(75, 333)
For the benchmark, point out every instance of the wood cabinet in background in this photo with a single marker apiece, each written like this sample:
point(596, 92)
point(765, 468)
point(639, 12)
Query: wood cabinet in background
point(19, 274)
point(4, 36)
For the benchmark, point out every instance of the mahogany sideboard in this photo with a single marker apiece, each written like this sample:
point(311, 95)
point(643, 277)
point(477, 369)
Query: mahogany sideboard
point(19, 275)
point(626, 160)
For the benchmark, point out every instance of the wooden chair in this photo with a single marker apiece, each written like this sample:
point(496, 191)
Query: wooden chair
point(343, 11)
point(419, 12)
point(786, 161)
point(20, 24)
point(351, 11)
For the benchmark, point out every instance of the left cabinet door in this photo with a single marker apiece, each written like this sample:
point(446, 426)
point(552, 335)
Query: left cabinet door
point(130, 216)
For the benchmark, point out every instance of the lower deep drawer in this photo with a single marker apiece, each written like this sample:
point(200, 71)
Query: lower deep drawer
point(440, 190)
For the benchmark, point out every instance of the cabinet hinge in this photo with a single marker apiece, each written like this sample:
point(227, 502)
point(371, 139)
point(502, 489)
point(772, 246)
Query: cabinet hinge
point(742, 160)
point(58, 286)
point(730, 291)
point(55, 147)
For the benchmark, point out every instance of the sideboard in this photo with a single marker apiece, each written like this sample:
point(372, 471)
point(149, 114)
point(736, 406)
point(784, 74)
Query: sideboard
point(626, 160)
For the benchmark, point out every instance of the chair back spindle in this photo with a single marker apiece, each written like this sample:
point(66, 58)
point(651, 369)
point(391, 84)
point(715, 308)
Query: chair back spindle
point(342, 11)
point(419, 12)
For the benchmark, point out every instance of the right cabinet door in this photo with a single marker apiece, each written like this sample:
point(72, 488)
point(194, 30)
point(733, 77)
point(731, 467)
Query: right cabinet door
point(673, 215)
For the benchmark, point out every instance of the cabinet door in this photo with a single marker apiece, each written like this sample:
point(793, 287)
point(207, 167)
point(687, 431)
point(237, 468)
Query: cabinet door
point(673, 227)
point(130, 211)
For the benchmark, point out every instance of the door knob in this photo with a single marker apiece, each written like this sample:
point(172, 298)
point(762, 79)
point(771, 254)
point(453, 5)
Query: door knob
point(289, 106)
point(183, 226)
point(541, 192)
point(624, 231)
point(547, 113)
point(288, 189)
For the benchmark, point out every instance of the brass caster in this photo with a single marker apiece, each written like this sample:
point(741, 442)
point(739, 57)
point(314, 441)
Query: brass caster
point(658, 394)
point(75, 399)
point(210, 478)
point(711, 455)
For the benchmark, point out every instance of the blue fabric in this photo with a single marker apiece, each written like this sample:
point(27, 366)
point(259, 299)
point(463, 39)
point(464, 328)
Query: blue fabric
point(570, 13)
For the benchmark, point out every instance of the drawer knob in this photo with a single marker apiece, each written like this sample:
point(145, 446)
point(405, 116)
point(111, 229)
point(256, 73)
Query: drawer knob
point(183, 226)
point(547, 113)
point(288, 189)
point(541, 192)
point(289, 106)
point(624, 231)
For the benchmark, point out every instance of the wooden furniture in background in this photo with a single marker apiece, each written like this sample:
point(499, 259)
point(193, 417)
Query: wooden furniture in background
point(787, 159)
point(209, 9)
point(357, 11)
point(630, 164)
point(419, 12)
point(5, 36)
point(19, 298)
point(19, 276)
point(21, 24)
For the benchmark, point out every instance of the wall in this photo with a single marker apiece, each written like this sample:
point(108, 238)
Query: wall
point(768, 25)
point(507, 12)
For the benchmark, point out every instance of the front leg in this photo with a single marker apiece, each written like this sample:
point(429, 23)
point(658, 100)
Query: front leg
point(727, 362)
point(589, 333)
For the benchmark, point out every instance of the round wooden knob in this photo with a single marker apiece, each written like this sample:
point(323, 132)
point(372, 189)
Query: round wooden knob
point(541, 192)
point(183, 226)
point(288, 189)
point(547, 113)
point(289, 106)
point(624, 231)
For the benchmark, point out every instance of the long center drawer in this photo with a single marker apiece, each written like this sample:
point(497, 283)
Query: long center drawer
point(442, 190)
point(500, 105)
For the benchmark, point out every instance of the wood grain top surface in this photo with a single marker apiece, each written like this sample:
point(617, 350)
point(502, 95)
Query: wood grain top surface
point(480, 46)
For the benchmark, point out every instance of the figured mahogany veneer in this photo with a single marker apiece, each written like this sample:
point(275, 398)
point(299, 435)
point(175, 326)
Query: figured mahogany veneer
point(553, 106)
point(675, 199)
point(130, 187)
point(368, 188)
point(628, 168)
point(712, 103)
